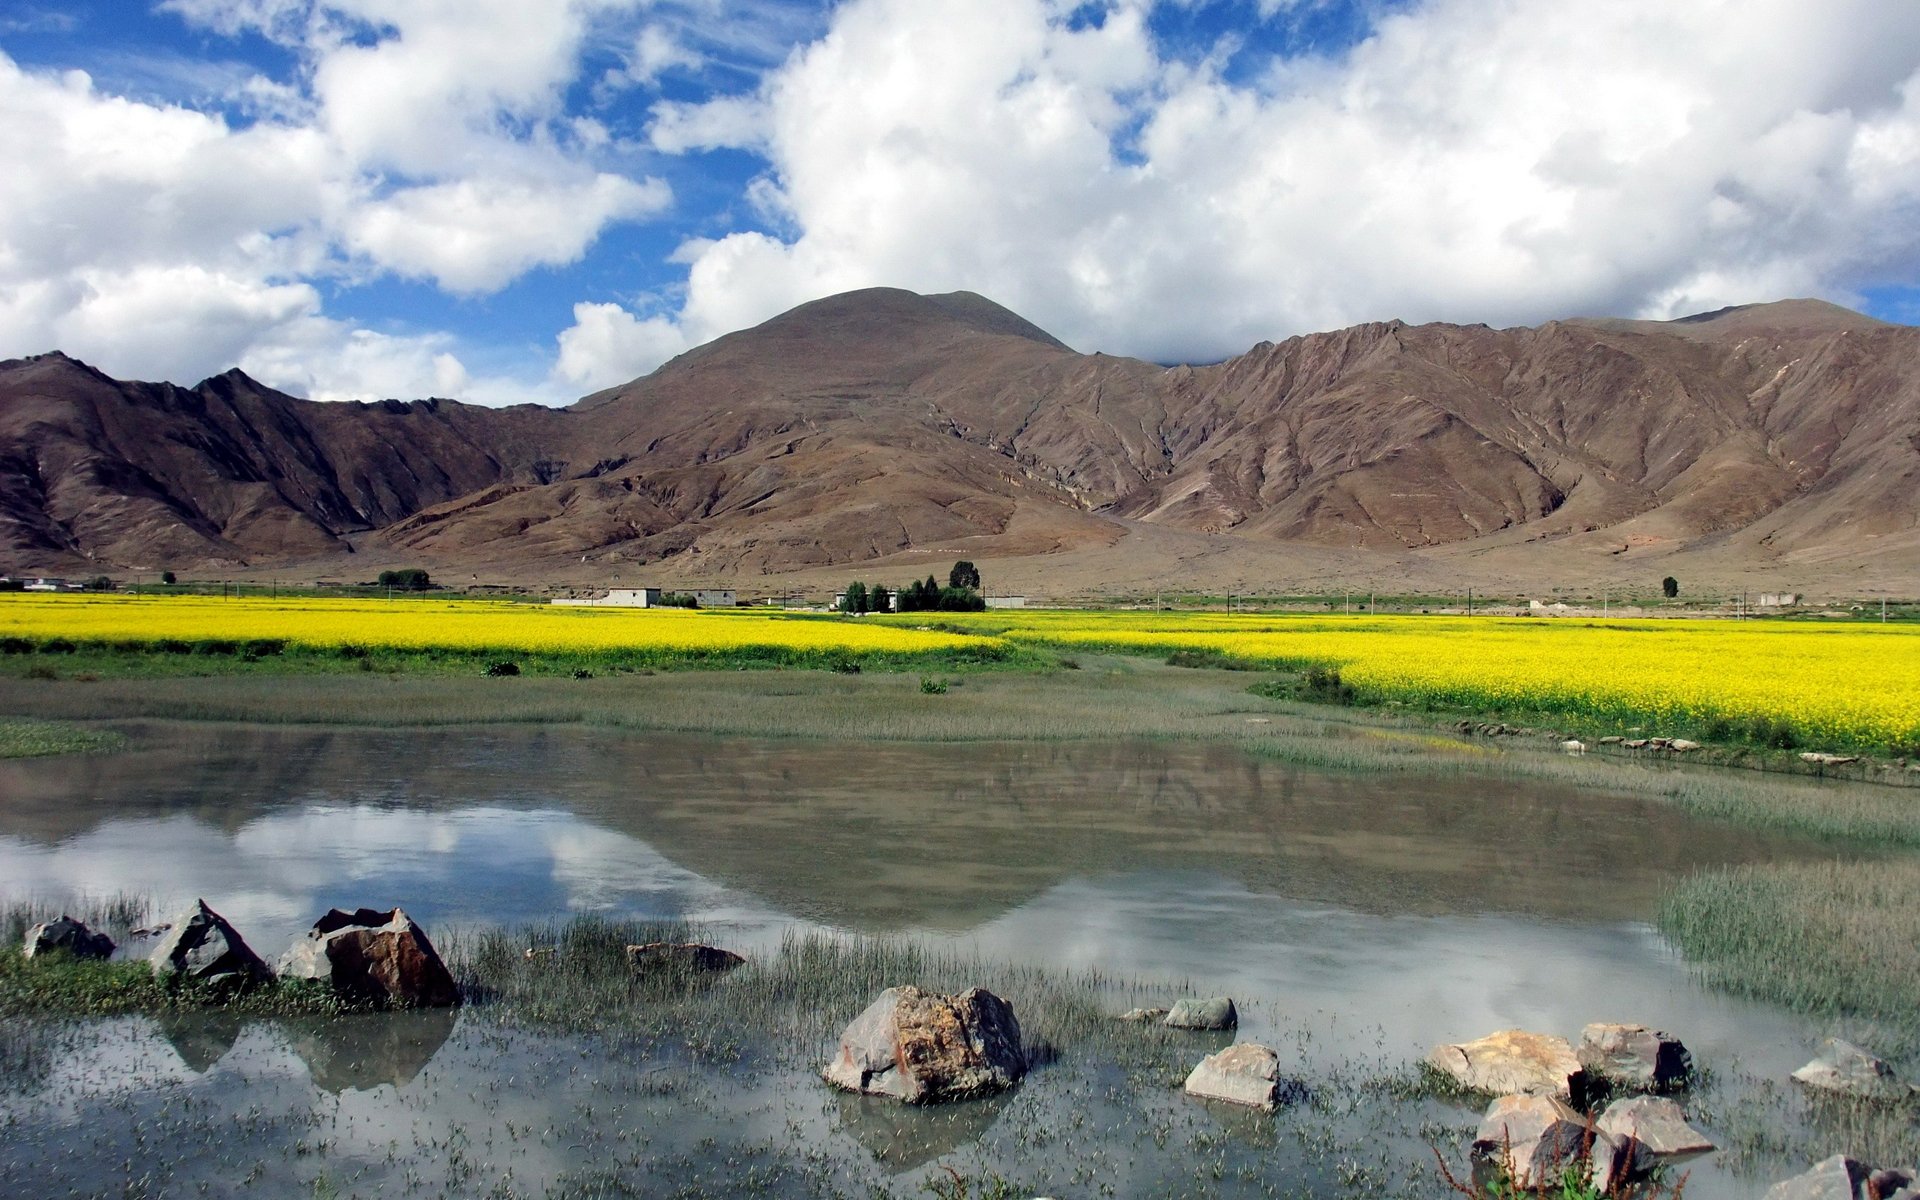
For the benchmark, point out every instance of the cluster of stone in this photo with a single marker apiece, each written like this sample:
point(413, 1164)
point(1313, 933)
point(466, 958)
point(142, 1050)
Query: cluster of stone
point(368, 956)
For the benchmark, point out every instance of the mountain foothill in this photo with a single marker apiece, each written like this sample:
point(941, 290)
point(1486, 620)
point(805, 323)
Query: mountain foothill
point(883, 430)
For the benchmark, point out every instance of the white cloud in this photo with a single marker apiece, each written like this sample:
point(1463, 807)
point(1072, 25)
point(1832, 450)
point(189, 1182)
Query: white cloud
point(607, 345)
point(427, 139)
point(1506, 163)
point(477, 235)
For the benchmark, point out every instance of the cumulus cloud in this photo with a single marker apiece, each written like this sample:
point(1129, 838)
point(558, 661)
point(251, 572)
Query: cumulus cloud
point(608, 345)
point(1468, 161)
point(477, 235)
point(425, 140)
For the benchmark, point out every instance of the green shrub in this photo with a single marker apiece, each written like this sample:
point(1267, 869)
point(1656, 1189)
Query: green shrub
point(502, 668)
point(933, 687)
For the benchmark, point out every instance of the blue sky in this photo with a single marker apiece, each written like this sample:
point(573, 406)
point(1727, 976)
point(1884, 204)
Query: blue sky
point(507, 200)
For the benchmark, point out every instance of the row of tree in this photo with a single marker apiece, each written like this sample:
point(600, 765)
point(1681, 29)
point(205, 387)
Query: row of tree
point(962, 594)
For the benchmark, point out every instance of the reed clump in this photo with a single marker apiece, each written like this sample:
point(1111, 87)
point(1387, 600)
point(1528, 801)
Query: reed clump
point(1835, 940)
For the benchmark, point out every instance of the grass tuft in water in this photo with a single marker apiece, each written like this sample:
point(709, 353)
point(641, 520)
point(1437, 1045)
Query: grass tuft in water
point(27, 738)
point(1835, 940)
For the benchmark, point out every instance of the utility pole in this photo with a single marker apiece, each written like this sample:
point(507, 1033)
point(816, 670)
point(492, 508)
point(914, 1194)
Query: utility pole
point(1469, 601)
point(1883, 610)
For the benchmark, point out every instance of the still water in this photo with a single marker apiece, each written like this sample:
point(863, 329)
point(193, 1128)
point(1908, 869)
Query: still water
point(1352, 916)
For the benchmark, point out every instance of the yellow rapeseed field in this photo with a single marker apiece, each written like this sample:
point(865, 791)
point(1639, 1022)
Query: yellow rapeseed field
point(464, 625)
point(1855, 684)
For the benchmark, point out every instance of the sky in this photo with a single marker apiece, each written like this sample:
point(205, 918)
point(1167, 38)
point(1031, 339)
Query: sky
point(507, 201)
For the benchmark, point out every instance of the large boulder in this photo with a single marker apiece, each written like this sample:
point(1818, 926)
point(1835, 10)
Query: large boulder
point(1656, 1122)
point(1514, 1060)
point(1247, 1074)
point(1845, 1069)
point(202, 947)
point(1843, 1178)
point(925, 1048)
point(1633, 1057)
point(1213, 1012)
point(372, 957)
point(66, 933)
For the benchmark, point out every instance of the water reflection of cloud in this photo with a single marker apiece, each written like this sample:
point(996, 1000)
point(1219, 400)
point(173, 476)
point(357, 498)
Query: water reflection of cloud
point(1355, 975)
point(274, 874)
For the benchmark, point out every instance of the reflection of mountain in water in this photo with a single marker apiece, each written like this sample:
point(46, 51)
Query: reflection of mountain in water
point(891, 836)
point(365, 1050)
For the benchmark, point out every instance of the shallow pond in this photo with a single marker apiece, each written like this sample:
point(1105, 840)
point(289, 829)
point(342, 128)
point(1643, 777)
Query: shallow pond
point(1358, 919)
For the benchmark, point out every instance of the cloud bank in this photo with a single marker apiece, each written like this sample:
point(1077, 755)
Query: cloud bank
point(1506, 162)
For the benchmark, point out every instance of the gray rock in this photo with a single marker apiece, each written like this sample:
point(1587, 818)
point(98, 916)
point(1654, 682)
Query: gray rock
point(1514, 1060)
point(1528, 1138)
point(927, 1049)
point(1534, 1138)
point(201, 946)
point(66, 933)
point(374, 957)
point(1216, 1012)
point(1142, 1015)
point(682, 958)
point(1247, 1074)
point(1836, 1178)
point(1657, 1123)
point(1634, 1057)
point(1846, 1069)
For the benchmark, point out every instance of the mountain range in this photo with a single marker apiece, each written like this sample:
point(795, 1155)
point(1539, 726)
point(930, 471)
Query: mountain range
point(879, 433)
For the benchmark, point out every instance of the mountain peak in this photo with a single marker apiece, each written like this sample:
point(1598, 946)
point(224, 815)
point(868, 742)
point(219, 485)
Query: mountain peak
point(893, 312)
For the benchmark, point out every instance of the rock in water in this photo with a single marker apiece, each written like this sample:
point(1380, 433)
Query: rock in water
point(202, 947)
point(1514, 1060)
point(1635, 1057)
point(1534, 1138)
point(1216, 1012)
point(690, 958)
point(927, 1049)
point(1847, 1069)
point(66, 933)
point(1836, 1178)
point(373, 957)
point(1142, 1015)
point(1656, 1123)
point(1245, 1074)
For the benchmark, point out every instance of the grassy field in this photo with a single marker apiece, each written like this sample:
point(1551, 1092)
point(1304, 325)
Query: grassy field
point(1774, 685)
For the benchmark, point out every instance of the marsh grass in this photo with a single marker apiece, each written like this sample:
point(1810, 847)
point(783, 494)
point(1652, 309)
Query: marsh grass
point(27, 738)
point(171, 658)
point(789, 1005)
point(1834, 940)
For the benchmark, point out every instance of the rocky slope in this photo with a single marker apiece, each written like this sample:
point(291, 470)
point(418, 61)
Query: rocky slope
point(878, 425)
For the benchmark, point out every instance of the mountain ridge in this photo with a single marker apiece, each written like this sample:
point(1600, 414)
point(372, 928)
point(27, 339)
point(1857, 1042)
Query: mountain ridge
point(882, 426)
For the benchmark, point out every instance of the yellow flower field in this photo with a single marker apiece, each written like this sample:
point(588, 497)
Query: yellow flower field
point(1853, 684)
point(463, 625)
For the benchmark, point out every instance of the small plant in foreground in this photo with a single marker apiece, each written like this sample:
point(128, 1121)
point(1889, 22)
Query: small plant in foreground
point(933, 687)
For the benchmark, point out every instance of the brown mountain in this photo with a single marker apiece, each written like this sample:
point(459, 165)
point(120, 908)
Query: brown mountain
point(883, 427)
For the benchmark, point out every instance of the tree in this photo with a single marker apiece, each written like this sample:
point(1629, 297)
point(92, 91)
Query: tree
point(1670, 586)
point(877, 598)
point(964, 575)
point(411, 579)
point(960, 599)
point(100, 583)
point(854, 599)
